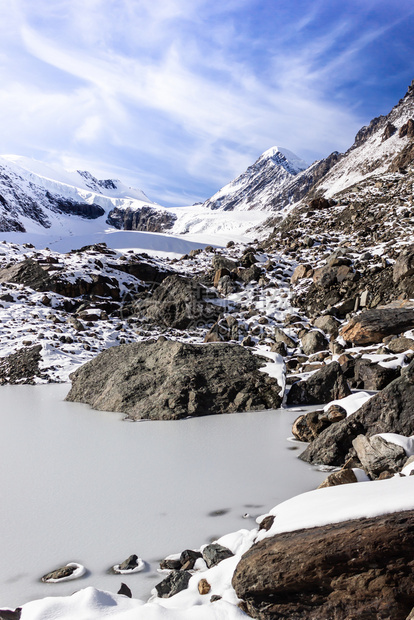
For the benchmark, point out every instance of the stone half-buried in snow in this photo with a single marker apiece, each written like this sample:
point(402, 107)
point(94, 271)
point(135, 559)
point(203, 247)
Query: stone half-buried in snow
point(169, 380)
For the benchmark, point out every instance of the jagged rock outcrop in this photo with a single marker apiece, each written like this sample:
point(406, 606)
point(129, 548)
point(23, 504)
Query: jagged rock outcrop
point(169, 380)
point(356, 569)
point(389, 411)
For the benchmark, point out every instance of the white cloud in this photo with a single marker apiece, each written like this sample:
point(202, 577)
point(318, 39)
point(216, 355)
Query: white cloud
point(165, 82)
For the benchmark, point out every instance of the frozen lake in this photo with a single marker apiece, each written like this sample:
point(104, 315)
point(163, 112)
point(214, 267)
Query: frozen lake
point(79, 485)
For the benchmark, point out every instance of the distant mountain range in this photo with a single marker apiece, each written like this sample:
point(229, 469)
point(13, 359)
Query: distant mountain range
point(36, 197)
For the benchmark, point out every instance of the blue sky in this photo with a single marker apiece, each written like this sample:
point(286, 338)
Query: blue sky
point(177, 97)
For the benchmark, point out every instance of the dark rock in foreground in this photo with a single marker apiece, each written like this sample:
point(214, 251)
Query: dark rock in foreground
point(389, 411)
point(176, 581)
point(169, 380)
point(358, 569)
point(324, 385)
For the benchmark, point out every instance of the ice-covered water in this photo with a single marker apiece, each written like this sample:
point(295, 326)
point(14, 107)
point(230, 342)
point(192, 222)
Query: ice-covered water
point(81, 485)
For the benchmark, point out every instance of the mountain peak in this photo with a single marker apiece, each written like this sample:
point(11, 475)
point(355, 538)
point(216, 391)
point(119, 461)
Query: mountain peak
point(285, 158)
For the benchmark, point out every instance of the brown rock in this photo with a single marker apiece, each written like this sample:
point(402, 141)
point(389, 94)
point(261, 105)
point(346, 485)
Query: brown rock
point(360, 569)
point(378, 455)
point(401, 344)
point(203, 586)
point(301, 271)
point(219, 274)
point(343, 476)
point(371, 326)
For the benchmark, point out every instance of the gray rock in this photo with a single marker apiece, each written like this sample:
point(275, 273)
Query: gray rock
point(130, 563)
point(404, 265)
point(389, 411)
point(180, 303)
point(371, 376)
point(327, 324)
point(176, 581)
point(188, 558)
point(324, 385)
point(221, 262)
point(401, 344)
point(215, 553)
point(378, 455)
point(281, 336)
point(60, 573)
point(22, 366)
point(171, 380)
point(343, 476)
point(314, 341)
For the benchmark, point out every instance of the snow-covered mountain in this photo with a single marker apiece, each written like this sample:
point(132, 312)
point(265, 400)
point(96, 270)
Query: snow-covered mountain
point(256, 187)
point(36, 197)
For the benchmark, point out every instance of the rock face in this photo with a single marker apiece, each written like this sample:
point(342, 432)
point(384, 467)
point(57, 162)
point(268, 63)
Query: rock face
point(357, 569)
point(324, 385)
point(371, 326)
point(146, 218)
point(389, 411)
point(169, 380)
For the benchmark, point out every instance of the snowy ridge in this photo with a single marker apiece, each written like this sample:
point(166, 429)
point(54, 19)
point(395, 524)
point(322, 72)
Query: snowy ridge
point(375, 154)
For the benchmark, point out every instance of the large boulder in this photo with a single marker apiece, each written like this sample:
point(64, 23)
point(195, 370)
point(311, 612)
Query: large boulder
point(371, 326)
point(181, 303)
point(357, 569)
point(389, 411)
point(168, 380)
point(324, 385)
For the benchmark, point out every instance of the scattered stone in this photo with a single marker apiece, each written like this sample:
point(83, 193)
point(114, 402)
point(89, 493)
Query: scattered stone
point(324, 385)
point(378, 455)
point(358, 569)
point(203, 586)
point(314, 341)
point(266, 523)
point(343, 476)
point(170, 564)
point(125, 590)
point(280, 336)
point(327, 324)
point(372, 376)
point(176, 581)
point(400, 345)
point(301, 271)
point(188, 558)
point(389, 411)
point(215, 553)
point(169, 380)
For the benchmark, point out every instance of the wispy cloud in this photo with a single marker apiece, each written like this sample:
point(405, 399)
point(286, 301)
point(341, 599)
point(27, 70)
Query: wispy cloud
point(181, 94)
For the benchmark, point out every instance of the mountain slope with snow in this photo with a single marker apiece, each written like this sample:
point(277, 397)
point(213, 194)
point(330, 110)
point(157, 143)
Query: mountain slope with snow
point(255, 187)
